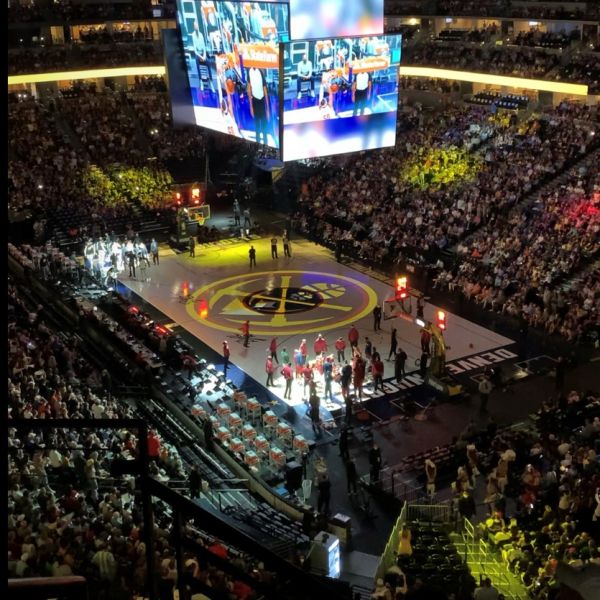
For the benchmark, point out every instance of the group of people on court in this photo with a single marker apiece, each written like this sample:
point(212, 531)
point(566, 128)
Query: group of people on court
point(328, 364)
point(274, 249)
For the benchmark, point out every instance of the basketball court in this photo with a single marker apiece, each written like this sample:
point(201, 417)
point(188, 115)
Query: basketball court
point(292, 299)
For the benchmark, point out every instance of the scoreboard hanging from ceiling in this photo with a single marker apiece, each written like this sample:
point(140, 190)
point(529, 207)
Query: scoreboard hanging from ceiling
point(309, 77)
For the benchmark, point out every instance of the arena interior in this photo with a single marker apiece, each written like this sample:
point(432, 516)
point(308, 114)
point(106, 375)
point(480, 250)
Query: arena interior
point(323, 320)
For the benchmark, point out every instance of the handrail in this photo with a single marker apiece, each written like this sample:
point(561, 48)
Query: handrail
point(39, 588)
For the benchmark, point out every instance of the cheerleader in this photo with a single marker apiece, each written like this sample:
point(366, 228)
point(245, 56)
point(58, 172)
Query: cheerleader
point(431, 474)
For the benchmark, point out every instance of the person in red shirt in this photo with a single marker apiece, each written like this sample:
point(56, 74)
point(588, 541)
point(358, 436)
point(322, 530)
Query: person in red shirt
point(304, 350)
point(288, 375)
point(358, 373)
point(307, 373)
point(245, 329)
point(340, 346)
point(320, 345)
point(377, 372)
point(353, 337)
point(240, 590)
point(273, 349)
point(153, 445)
point(270, 369)
point(218, 549)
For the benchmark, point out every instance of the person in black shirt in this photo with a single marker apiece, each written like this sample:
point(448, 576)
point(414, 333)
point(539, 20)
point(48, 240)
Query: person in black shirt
point(274, 247)
point(252, 255)
point(375, 461)
point(346, 378)
point(286, 246)
point(192, 246)
point(344, 453)
point(423, 365)
point(420, 307)
point(377, 318)
point(315, 405)
point(207, 429)
point(399, 366)
point(195, 482)
point(324, 488)
point(352, 475)
point(466, 505)
point(393, 344)
point(131, 262)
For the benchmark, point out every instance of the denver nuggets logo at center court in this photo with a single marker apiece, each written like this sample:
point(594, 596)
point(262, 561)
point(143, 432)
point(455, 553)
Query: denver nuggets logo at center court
point(282, 302)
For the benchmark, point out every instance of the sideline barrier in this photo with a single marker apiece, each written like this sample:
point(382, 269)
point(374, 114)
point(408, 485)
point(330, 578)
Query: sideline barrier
point(438, 513)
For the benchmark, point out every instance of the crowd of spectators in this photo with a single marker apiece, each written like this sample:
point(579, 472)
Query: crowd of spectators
point(126, 33)
point(514, 264)
point(46, 162)
point(552, 473)
point(534, 9)
point(25, 13)
point(384, 219)
point(101, 11)
point(153, 110)
point(68, 10)
point(42, 163)
point(149, 83)
point(106, 131)
point(503, 61)
point(472, 36)
point(440, 86)
point(52, 58)
point(546, 39)
point(582, 68)
point(69, 513)
point(506, 8)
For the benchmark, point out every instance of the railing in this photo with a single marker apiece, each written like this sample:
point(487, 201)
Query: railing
point(482, 559)
point(391, 482)
point(388, 558)
point(40, 588)
point(438, 513)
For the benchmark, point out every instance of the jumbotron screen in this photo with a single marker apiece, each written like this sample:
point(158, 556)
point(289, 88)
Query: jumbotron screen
point(232, 59)
point(316, 19)
point(340, 95)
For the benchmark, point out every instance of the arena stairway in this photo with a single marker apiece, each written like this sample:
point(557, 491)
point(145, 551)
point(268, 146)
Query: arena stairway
point(64, 127)
point(141, 139)
point(592, 265)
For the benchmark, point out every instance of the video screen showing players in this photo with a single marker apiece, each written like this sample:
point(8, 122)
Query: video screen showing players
point(340, 95)
point(232, 59)
point(315, 19)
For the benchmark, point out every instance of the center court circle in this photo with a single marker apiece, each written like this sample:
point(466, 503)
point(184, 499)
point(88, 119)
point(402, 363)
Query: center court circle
point(290, 300)
point(283, 302)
